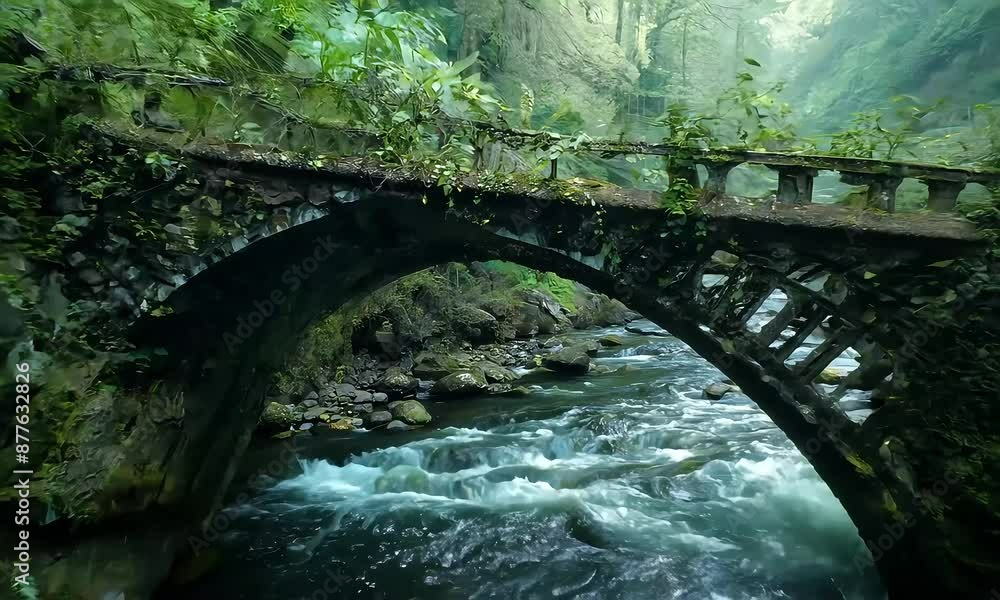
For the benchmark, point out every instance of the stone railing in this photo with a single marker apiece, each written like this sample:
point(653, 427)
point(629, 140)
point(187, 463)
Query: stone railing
point(796, 172)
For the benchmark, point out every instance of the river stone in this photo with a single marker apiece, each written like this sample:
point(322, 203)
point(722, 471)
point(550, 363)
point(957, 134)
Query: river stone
point(312, 395)
point(411, 412)
point(610, 341)
point(572, 361)
point(305, 427)
point(462, 383)
point(474, 324)
point(380, 398)
point(497, 374)
point(394, 404)
point(362, 396)
point(379, 417)
point(330, 417)
point(307, 404)
point(397, 426)
point(396, 384)
point(276, 417)
point(717, 390)
point(552, 343)
point(314, 413)
point(342, 425)
point(357, 422)
point(364, 408)
point(344, 389)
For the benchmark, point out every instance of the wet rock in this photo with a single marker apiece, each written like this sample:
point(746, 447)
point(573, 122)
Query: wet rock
point(397, 426)
point(392, 405)
point(572, 361)
point(647, 331)
point(361, 396)
point(307, 404)
point(396, 384)
point(330, 417)
point(314, 413)
point(380, 398)
point(411, 412)
point(717, 390)
point(342, 425)
point(601, 370)
point(312, 396)
point(344, 389)
point(552, 343)
point(357, 422)
point(305, 426)
point(364, 408)
point(276, 417)
point(433, 365)
point(496, 374)
point(379, 417)
point(611, 341)
point(461, 383)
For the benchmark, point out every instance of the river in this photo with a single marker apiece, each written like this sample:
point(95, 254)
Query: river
point(626, 485)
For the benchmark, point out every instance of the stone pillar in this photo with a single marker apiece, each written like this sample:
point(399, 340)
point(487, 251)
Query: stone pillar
point(881, 188)
point(943, 195)
point(718, 172)
point(795, 184)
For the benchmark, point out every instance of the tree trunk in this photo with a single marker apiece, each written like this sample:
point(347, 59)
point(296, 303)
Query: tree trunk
point(684, 54)
point(621, 22)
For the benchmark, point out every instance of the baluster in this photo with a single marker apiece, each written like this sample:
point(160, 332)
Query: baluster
point(718, 173)
point(795, 184)
point(943, 195)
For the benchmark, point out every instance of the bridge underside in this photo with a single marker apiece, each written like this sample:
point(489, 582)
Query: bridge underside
point(330, 234)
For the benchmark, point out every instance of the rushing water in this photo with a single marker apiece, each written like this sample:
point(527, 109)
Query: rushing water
point(624, 485)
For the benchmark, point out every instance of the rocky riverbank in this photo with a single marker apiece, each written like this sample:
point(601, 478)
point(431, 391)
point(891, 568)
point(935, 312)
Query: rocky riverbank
point(492, 344)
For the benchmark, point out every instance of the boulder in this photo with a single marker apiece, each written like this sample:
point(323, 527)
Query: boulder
point(411, 412)
point(397, 426)
point(468, 382)
point(717, 390)
point(276, 417)
point(597, 310)
point(830, 377)
point(474, 325)
point(572, 361)
point(379, 417)
point(434, 365)
point(496, 374)
point(396, 384)
point(344, 389)
point(611, 341)
point(506, 389)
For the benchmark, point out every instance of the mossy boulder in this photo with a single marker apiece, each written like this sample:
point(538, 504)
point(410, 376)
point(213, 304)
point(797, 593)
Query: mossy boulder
point(496, 374)
point(276, 418)
point(411, 412)
point(830, 377)
point(474, 324)
point(396, 384)
point(468, 382)
point(611, 341)
point(571, 361)
point(435, 365)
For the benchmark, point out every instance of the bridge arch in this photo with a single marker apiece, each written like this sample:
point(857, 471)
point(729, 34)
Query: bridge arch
point(239, 316)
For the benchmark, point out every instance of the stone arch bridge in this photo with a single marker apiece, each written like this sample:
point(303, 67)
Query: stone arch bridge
point(319, 233)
